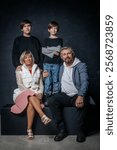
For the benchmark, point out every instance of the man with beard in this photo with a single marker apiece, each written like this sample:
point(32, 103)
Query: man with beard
point(73, 84)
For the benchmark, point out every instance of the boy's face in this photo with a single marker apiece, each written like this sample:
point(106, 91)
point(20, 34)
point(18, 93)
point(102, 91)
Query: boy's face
point(26, 29)
point(53, 31)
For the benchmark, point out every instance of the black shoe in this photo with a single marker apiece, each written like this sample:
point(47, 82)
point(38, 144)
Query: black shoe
point(81, 137)
point(60, 136)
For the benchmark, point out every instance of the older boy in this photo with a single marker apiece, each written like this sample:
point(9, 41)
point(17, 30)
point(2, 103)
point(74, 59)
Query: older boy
point(26, 42)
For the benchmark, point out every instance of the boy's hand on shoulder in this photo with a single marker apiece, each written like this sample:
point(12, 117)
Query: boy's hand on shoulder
point(19, 68)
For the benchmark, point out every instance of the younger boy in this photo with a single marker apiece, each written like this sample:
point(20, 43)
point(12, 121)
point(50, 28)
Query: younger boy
point(51, 62)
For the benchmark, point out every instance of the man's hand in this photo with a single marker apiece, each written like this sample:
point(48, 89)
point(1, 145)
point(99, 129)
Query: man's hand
point(79, 103)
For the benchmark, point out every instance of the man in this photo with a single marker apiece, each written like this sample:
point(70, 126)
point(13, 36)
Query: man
point(26, 42)
point(73, 80)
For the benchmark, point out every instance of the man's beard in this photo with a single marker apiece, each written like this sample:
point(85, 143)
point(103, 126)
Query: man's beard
point(68, 61)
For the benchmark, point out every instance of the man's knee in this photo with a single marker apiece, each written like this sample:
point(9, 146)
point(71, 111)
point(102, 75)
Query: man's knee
point(54, 100)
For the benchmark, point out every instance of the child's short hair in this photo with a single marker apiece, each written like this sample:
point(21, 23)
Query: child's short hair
point(25, 22)
point(53, 24)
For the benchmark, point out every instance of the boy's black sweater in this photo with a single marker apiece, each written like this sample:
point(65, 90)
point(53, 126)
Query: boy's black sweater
point(22, 43)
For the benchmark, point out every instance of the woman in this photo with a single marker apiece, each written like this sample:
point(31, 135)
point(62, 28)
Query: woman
point(29, 93)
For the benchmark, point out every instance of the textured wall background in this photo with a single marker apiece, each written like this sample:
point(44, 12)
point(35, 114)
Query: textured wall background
point(79, 27)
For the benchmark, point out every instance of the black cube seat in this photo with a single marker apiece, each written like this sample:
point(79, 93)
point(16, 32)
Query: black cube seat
point(12, 124)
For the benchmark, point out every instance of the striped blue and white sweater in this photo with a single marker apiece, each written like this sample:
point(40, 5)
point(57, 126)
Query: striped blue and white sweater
point(49, 47)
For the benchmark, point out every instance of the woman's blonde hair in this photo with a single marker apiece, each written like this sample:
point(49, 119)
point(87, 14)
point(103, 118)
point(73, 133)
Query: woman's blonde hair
point(23, 55)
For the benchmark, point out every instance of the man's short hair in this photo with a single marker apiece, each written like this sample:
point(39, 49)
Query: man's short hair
point(25, 22)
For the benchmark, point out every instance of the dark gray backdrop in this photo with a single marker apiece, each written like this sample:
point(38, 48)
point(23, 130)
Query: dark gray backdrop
point(79, 27)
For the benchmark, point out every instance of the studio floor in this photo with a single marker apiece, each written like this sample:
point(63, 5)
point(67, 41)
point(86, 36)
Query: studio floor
point(44, 142)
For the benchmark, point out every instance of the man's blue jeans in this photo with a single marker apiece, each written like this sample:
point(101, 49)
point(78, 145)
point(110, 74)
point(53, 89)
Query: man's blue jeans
point(51, 82)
